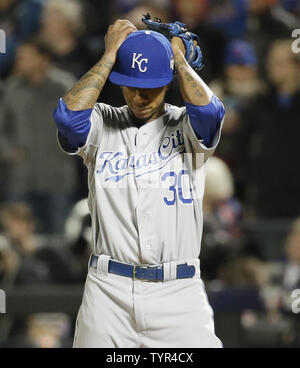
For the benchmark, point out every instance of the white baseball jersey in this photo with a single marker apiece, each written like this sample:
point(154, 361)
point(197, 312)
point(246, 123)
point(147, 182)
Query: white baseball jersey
point(145, 185)
point(145, 197)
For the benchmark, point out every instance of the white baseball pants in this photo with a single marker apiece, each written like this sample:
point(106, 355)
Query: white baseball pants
point(119, 312)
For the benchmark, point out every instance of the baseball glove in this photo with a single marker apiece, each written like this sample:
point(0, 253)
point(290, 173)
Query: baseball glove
point(193, 53)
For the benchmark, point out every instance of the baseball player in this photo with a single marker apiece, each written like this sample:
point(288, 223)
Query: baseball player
point(143, 287)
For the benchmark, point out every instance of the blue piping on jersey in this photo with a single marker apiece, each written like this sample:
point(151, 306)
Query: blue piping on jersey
point(206, 120)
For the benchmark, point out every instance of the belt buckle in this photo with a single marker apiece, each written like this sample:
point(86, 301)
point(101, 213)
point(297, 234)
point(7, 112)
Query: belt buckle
point(134, 272)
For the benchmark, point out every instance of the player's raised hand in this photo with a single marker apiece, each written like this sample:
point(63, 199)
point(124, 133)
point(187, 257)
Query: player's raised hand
point(115, 35)
point(177, 46)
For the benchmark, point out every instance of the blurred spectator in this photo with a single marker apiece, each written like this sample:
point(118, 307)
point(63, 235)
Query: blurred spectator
point(62, 27)
point(244, 272)
point(239, 84)
point(18, 19)
point(1, 90)
point(290, 280)
point(218, 185)
point(35, 169)
point(78, 235)
point(212, 41)
point(125, 6)
point(292, 6)
point(222, 216)
point(37, 260)
point(240, 78)
point(191, 12)
point(41, 330)
point(291, 272)
point(285, 277)
point(267, 142)
point(97, 18)
point(47, 330)
point(230, 16)
point(267, 23)
point(135, 14)
point(9, 263)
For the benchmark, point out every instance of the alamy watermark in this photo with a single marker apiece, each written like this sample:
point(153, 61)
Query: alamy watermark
point(2, 42)
point(296, 303)
point(2, 301)
point(296, 43)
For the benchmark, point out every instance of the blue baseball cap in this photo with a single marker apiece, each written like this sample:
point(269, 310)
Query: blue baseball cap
point(144, 60)
point(240, 52)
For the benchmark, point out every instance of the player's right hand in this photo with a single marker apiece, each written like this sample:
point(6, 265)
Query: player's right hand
point(116, 35)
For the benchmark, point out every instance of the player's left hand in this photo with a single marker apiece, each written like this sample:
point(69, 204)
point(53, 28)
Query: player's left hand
point(182, 41)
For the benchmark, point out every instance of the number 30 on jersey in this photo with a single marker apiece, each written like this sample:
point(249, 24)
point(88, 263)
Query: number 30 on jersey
point(179, 189)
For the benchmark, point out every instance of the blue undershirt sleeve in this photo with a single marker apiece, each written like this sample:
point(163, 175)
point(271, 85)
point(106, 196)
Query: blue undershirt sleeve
point(206, 120)
point(74, 126)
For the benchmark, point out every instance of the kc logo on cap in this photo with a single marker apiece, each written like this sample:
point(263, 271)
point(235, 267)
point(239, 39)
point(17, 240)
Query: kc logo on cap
point(135, 59)
point(144, 60)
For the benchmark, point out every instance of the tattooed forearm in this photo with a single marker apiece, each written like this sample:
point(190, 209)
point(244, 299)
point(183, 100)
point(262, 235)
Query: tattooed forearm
point(86, 91)
point(192, 87)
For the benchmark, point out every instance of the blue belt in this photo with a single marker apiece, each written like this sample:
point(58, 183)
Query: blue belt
point(150, 273)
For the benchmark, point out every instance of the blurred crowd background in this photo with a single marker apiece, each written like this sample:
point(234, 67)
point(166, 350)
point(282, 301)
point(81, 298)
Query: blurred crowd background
point(250, 255)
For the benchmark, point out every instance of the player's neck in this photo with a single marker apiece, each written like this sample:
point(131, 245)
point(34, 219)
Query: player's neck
point(158, 113)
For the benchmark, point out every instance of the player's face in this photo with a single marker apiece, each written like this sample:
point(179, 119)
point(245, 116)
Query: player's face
point(146, 104)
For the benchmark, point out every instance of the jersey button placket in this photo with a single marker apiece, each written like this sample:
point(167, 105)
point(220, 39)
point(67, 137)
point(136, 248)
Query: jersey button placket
point(144, 140)
point(143, 187)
